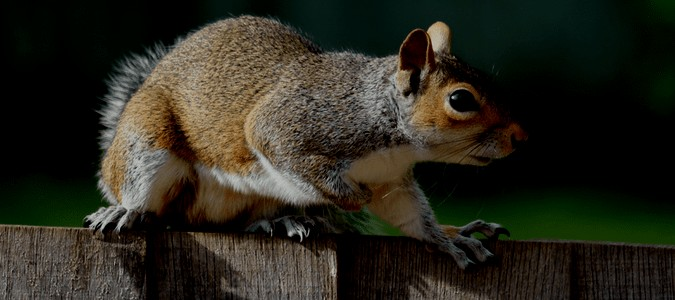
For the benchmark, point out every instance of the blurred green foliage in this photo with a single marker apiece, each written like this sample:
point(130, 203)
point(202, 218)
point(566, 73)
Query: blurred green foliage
point(594, 81)
point(567, 213)
point(544, 213)
point(44, 201)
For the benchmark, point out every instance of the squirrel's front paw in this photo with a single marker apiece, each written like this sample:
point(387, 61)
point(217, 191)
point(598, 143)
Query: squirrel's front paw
point(459, 255)
point(490, 230)
point(474, 246)
point(461, 236)
point(300, 226)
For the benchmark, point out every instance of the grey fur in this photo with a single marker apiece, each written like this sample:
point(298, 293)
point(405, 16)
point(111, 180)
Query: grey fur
point(263, 124)
point(127, 77)
point(142, 165)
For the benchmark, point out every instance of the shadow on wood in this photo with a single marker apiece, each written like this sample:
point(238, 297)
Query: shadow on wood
point(45, 262)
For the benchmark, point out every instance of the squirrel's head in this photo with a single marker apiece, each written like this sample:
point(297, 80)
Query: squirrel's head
point(453, 105)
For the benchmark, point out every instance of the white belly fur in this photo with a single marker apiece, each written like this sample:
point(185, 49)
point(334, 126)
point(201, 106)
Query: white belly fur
point(266, 181)
point(386, 165)
point(221, 193)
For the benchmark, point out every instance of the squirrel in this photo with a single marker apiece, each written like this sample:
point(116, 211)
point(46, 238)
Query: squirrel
point(245, 120)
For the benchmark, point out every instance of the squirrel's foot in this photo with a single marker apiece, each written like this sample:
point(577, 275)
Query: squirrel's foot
point(490, 230)
point(474, 246)
point(461, 238)
point(460, 247)
point(300, 226)
point(115, 218)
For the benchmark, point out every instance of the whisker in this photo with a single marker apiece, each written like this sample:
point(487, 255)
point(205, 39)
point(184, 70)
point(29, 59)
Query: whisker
point(452, 151)
point(391, 191)
point(449, 195)
point(473, 150)
point(469, 147)
point(449, 148)
point(470, 138)
point(480, 210)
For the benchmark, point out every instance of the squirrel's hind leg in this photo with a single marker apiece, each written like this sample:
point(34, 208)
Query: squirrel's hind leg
point(143, 183)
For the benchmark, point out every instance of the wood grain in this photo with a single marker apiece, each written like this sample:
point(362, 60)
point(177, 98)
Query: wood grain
point(228, 266)
point(72, 263)
point(48, 263)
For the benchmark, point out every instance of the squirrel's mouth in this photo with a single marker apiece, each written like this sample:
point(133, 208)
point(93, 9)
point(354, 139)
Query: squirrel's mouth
point(481, 160)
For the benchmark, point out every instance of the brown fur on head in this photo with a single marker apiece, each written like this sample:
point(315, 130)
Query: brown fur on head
point(474, 127)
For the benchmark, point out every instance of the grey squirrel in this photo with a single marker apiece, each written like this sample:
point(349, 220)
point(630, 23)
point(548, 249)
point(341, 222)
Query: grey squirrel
point(246, 120)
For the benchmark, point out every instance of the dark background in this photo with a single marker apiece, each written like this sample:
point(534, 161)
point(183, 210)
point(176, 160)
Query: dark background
point(593, 81)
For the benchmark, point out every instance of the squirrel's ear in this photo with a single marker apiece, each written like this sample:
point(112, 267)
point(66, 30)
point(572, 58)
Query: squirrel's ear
point(416, 55)
point(441, 37)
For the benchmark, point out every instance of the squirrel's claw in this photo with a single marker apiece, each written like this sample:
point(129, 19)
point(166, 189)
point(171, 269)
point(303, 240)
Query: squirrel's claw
point(261, 225)
point(475, 246)
point(461, 258)
point(115, 218)
point(296, 226)
point(462, 237)
point(460, 247)
point(293, 225)
point(502, 230)
point(490, 230)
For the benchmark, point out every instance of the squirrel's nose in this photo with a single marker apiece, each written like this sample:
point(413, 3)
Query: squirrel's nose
point(518, 135)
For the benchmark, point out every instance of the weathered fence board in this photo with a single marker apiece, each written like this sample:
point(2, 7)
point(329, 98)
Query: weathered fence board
point(228, 266)
point(605, 271)
point(44, 262)
point(47, 263)
point(395, 267)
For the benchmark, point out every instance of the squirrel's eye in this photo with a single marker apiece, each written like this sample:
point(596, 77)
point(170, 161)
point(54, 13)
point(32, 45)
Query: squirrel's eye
point(462, 100)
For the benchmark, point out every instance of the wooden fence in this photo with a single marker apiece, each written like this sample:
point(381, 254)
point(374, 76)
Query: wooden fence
point(67, 263)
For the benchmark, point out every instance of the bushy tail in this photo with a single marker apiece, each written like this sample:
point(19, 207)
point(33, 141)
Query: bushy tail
point(127, 77)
